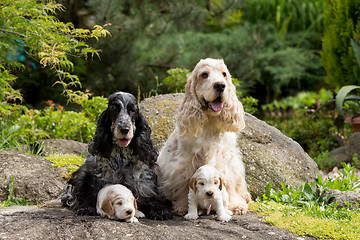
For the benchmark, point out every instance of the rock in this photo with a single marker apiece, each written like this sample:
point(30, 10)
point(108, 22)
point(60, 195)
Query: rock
point(55, 146)
point(33, 222)
point(343, 197)
point(34, 178)
point(345, 153)
point(268, 154)
point(354, 144)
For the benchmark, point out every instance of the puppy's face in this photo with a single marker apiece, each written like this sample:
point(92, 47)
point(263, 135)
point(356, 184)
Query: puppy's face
point(206, 182)
point(119, 204)
point(123, 112)
point(213, 84)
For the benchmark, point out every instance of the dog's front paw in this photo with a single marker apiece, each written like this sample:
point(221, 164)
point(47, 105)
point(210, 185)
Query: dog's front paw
point(191, 216)
point(159, 214)
point(89, 211)
point(229, 212)
point(224, 217)
point(139, 214)
point(132, 220)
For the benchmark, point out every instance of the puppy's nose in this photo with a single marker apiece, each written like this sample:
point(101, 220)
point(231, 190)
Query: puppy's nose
point(124, 131)
point(219, 86)
point(209, 193)
point(129, 212)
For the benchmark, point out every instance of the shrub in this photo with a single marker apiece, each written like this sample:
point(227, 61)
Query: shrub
point(341, 21)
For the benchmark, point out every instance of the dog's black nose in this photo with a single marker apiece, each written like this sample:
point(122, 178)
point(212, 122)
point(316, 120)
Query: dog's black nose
point(124, 131)
point(129, 212)
point(219, 86)
point(209, 194)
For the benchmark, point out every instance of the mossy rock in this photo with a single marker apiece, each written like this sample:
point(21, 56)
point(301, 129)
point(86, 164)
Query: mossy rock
point(268, 154)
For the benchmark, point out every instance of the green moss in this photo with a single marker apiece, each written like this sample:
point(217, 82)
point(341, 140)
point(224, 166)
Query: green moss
point(284, 216)
point(70, 162)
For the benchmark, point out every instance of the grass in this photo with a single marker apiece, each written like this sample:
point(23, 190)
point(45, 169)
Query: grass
point(305, 211)
point(296, 221)
point(70, 162)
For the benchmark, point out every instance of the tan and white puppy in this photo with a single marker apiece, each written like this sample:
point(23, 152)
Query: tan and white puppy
point(207, 192)
point(117, 202)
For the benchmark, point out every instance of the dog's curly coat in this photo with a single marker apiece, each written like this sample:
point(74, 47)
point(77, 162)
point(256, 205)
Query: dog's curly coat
point(120, 153)
point(205, 133)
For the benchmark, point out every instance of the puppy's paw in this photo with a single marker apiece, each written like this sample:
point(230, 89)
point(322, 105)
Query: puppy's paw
point(139, 214)
point(132, 220)
point(191, 216)
point(224, 217)
point(229, 212)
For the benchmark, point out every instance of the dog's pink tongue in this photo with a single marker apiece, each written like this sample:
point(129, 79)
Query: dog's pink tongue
point(217, 106)
point(123, 142)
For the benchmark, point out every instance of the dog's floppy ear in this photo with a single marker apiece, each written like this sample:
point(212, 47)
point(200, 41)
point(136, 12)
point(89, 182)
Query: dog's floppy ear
point(221, 182)
point(102, 141)
point(142, 143)
point(192, 183)
point(232, 114)
point(191, 116)
point(107, 205)
point(135, 204)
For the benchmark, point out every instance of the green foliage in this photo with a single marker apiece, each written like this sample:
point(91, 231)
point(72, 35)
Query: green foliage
point(305, 210)
point(295, 117)
point(177, 78)
point(30, 27)
point(70, 161)
point(353, 102)
point(347, 180)
point(308, 198)
point(341, 21)
point(286, 15)
point(11, 201)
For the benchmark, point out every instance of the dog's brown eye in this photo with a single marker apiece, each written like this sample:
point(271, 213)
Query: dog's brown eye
point(119, 203)
point(204, 75)
point(216, 182)
point(224, 74)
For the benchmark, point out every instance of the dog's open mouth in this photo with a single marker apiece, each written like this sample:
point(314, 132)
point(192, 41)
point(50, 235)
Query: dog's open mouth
point(216, 105)
point(123, 142)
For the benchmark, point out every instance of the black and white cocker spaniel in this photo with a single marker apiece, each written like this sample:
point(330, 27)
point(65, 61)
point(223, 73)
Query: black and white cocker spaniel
point(120, 153)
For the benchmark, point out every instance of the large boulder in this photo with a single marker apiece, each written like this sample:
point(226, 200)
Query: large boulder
point(268, 154)
point(34, 178)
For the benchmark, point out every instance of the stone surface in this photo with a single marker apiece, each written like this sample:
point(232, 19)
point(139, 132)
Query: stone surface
point(58, 223)
point(56, 146)
point(344, 197)
point(34, 178)
point(268, 154)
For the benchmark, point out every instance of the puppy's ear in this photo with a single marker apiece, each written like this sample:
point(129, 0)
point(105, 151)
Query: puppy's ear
point(107, 206)
point(191, 116)
point(142, 143)
point(135, 205)
point(102, 141)
point(192, 183)
point(221, 182)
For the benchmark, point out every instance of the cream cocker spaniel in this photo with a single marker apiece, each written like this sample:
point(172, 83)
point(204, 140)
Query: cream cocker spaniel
point(206, 126)
point(207, 192)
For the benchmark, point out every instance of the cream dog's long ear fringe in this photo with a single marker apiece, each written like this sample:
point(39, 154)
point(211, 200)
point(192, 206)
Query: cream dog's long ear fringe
point(191, 117)
point(232, 115)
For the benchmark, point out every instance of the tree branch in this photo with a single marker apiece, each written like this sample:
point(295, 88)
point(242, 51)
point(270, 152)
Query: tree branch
point(10, 32)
